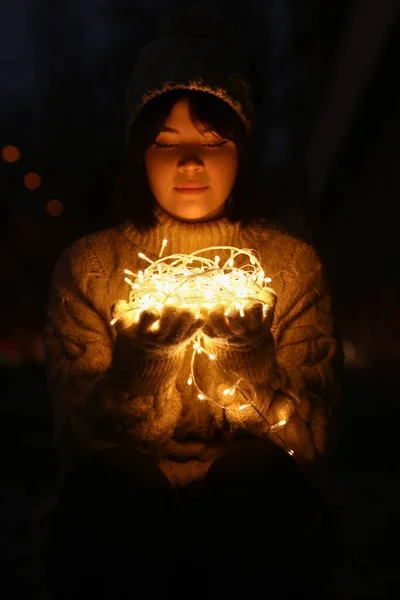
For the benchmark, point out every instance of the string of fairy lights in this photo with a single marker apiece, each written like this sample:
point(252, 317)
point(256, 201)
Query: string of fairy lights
point(195, 282)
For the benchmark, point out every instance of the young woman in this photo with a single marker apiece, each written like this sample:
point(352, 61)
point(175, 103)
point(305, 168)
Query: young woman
point(162, 491)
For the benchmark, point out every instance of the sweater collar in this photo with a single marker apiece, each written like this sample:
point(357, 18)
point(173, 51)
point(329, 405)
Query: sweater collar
point(185, 237)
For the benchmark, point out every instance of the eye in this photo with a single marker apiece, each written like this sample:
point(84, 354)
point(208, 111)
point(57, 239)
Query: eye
point(208, 145)
point(216, 145)
point(164, 146)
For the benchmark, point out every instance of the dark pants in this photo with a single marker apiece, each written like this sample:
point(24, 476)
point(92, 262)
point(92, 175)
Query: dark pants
point(254, 525)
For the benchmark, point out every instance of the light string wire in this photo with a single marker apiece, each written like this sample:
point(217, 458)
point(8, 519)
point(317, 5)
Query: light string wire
point(173, 281)
point(230, 391)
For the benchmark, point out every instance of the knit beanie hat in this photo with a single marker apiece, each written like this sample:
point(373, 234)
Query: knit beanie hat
point(196, 53)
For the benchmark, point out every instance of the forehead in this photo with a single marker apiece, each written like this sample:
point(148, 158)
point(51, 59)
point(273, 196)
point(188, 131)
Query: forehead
point(179, 119)
point(180, 111)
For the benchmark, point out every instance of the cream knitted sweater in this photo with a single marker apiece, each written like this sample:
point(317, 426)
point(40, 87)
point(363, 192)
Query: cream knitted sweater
point(151, 406)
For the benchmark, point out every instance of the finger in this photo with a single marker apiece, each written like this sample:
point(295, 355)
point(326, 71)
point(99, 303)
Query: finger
point(194, 327)
point(203, 313)
point(176, 325)
point(183, 325)
point(269, 302)
point(267, 297)
point(237, 323)
point(217, 323)
point(168, 318)
point(146, 319)
point(120, 315)
point(119, 307)
point(254, 316)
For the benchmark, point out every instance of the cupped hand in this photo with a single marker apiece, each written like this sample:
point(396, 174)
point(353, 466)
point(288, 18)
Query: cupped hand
point(239, 330)
point(171, 326)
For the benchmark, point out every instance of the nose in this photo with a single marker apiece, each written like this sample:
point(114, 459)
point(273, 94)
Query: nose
point(190, 163)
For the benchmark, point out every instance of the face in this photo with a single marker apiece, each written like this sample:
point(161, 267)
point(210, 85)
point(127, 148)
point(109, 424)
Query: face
point(191, 173)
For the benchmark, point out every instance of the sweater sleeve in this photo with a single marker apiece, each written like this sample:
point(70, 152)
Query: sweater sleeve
point(294, 372)
point(98, 401)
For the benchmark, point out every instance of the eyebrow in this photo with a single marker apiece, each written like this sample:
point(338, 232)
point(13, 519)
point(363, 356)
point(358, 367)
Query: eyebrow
point(167, 129)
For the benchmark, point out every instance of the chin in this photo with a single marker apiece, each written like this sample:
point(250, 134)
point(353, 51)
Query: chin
point(193, 213)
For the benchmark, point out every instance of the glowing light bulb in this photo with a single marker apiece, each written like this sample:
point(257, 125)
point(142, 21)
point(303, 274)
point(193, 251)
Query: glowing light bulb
point(164, 243)
point(155, 326)
point(144, 257)
point(279, 424)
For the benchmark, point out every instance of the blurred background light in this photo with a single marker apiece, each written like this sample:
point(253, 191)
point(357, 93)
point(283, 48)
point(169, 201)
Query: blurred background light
point(32, 181)
point(10, 154)
point(55, 208)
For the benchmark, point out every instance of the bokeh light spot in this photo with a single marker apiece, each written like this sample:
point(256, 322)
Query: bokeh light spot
point(32, 181)
point(10, 153)
point(349, 351)
point(55, 208)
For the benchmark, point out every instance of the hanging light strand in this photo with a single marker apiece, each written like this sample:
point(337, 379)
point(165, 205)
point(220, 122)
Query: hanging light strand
point(240, 386)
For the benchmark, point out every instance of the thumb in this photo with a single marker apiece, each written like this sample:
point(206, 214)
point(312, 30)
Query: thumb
point(122, 315)
point(268, 297)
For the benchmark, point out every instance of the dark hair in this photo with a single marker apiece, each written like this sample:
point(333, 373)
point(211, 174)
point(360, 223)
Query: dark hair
point(133, 200)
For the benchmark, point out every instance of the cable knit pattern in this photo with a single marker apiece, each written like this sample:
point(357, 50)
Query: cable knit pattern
point(292, 370)
point(103, 397)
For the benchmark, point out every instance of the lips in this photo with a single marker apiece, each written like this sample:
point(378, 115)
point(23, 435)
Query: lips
point(191, 185)
point(191, 188)
point(190, 191)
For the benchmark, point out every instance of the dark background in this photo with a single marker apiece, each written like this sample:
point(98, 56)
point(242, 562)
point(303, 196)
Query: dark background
point(325, 77)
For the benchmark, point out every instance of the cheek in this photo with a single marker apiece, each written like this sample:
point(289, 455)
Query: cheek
point(227, 165)
point(157, 169)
